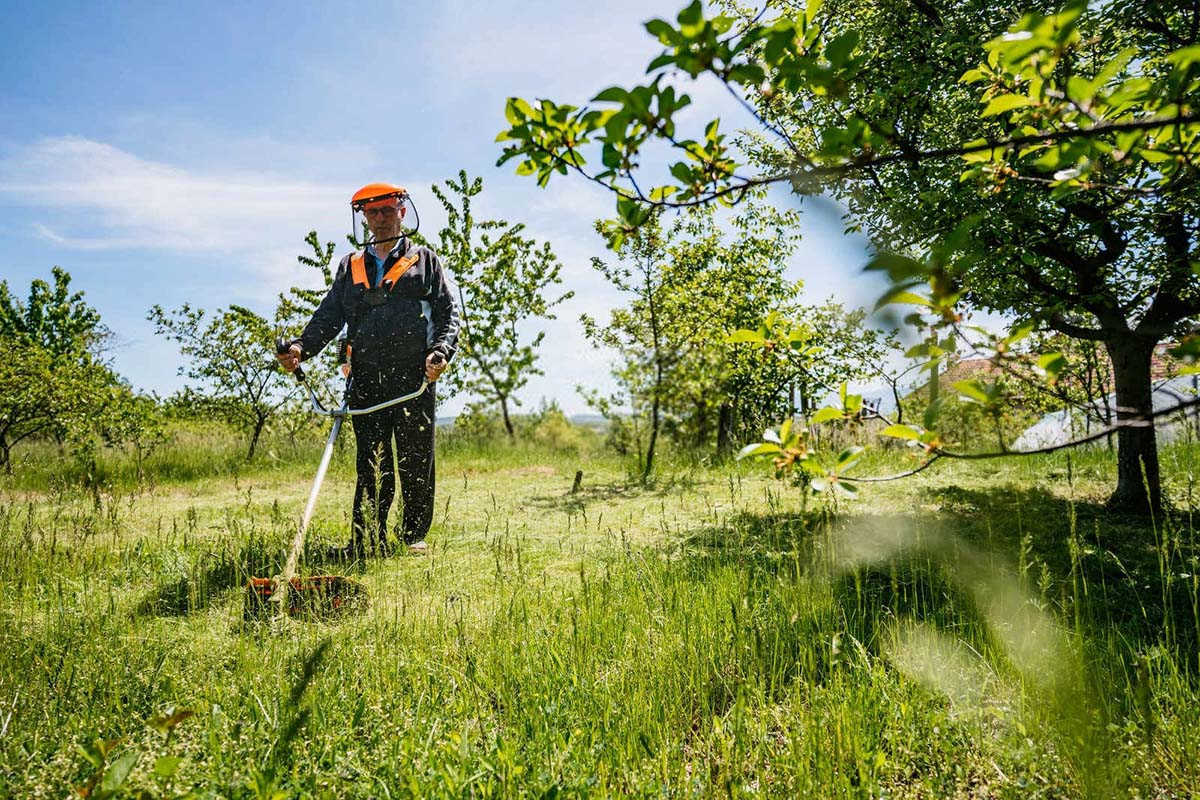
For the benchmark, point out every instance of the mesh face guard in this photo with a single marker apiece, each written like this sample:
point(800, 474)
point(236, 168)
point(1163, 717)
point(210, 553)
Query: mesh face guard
point(374, 199)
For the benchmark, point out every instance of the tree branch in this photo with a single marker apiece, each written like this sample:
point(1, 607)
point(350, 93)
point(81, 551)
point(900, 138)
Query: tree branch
point(865, 161)
point(939, 453)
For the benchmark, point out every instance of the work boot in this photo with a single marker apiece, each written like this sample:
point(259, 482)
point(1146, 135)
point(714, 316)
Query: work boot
point(418, 548)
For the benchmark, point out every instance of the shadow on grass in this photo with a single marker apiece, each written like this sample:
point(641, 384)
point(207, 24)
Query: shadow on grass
point(588, 494)
point(1108, 575)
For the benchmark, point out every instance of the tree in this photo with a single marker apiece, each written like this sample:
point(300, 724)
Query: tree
point(232, 357)
point(53, 318)
point(1074, 159)
point(691, 284)
point(295, 309)
point(46, 394)
point(135, 420)
point(506, 280)
point(52, 381)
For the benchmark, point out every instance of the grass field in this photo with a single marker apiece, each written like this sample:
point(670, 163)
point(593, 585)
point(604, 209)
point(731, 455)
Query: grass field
point(981, 630)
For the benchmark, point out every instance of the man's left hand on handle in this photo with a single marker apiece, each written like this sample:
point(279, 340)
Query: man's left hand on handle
point(435, 365)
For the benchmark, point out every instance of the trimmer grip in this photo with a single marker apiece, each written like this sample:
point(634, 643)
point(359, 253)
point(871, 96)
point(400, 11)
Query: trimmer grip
point(282, 346)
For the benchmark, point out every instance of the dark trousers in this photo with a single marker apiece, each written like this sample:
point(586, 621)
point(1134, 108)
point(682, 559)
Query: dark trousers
point(405, 430)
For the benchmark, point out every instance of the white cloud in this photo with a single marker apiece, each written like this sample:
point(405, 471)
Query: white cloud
point(92, 196)
point(96, 196)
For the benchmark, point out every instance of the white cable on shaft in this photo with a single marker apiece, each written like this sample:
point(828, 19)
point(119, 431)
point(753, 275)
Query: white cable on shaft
point(279, 591)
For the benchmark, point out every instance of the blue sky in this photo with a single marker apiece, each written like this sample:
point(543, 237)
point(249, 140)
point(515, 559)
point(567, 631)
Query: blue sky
point(179, 152)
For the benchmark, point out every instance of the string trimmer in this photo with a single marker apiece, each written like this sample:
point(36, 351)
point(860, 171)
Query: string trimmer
point(315, 594)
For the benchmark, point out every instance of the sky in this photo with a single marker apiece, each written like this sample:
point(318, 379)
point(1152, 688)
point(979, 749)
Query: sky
point(168, 152)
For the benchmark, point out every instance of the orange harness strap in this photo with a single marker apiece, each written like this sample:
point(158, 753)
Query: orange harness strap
point(401, 266)
point(358, 269)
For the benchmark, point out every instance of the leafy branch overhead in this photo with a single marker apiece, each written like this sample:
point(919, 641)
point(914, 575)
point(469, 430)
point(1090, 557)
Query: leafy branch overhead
point(1001, 155)
point(1034, 113)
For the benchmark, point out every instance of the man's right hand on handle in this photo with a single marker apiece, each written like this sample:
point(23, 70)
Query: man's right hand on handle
point(290, 359)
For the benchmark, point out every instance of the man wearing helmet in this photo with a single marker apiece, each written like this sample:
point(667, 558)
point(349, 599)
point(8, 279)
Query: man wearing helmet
point(395, 300)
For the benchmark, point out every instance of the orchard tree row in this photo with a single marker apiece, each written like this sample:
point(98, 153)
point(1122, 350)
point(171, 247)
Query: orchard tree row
point(1036, 159)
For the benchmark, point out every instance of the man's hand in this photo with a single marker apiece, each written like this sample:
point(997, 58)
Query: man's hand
point(291, 359)
point(435, 365)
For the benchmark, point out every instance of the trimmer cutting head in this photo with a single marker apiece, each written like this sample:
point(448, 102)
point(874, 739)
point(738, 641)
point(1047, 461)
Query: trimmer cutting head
point(316, 596)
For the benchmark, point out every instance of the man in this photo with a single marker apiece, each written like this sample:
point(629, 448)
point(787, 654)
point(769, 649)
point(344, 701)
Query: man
point(395, 299)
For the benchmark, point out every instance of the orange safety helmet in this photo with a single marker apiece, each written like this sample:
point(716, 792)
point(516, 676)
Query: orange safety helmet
point(374, 195)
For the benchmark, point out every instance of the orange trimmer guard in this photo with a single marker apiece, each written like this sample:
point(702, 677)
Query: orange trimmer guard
point(312, 596)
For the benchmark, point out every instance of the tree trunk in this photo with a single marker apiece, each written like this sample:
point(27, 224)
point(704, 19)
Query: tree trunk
point(508, 426)
point(701, 424)
point(1139, 489)
point(899, 405)
point(258, 426)
point(724, 426)
point(6, 456)
point(654, 424)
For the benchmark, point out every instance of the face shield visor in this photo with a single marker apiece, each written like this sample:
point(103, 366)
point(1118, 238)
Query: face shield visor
point(378, 214)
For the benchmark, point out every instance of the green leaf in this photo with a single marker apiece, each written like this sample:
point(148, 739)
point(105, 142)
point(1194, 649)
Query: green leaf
point(1019, 332)
point(898, 268)
point(785, 430)
point(811, 10)
point(983, 154)
point(902, 296)
point(838, 51)
point(166, 766)
point(660, 61)
point(930, 416)
point(1187, 350)
point(745, 335)
point(758, 449)
point(1118, 63)
point(166, 723)
point(1052, 364)
point(613, 94)
point(119, 770)
point(925, 350)
point(826, 414)
point(691, 15)
point(660, 193)
point(661, 30)
point(973, 390)
point(903, 432)
point(848, 457)
point(1005, 102)
point(1183, 57)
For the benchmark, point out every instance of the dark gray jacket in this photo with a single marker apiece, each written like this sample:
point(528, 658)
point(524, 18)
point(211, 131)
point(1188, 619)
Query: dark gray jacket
point(391, 328)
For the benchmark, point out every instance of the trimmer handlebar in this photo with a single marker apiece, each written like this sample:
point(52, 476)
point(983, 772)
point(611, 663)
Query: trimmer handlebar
point(282, 346)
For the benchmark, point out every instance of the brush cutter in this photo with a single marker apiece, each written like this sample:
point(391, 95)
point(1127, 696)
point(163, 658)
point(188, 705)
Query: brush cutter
point(315, 594)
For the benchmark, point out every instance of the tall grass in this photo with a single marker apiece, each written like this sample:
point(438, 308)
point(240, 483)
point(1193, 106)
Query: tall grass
point(984, 631)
